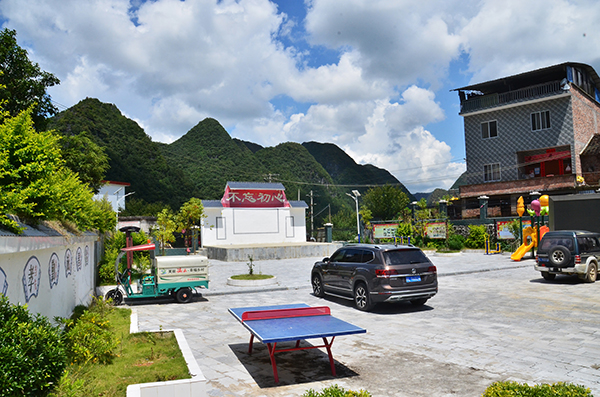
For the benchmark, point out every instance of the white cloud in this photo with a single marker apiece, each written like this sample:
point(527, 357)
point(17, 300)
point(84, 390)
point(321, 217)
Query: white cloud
point(168, 64)
point(515, 36)
point(400, 41)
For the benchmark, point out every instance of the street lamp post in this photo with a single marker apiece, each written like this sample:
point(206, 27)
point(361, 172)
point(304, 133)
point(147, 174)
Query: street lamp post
point(355, 195)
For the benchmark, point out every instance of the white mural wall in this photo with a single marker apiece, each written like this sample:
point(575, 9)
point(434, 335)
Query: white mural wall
point(50, 274)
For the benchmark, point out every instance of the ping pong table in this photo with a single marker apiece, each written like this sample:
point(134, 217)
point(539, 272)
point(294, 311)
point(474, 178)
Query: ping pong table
point(295, 322)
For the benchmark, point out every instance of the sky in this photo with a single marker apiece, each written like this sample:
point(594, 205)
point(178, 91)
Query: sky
point(374, 77)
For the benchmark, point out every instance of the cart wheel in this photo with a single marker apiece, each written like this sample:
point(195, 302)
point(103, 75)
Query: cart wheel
point(116, 295)
point(184, 295)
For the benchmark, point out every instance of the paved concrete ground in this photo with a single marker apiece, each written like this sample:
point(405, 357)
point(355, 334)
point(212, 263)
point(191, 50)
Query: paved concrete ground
point(492, 320)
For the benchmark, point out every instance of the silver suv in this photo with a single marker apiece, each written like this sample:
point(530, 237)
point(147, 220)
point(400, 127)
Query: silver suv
point(369, 274)
point(569, 252)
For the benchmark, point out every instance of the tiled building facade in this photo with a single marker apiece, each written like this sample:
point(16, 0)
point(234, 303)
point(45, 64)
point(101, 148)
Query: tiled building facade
point(537, 131)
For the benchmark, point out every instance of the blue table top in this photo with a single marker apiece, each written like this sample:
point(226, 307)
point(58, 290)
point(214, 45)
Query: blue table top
point(294, 328)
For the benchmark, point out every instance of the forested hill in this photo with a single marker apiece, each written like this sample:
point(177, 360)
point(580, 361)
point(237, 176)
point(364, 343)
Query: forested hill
point(209, 157)
point(300, 173)
point(200, 163)
point(133, 157)
point(344, 170)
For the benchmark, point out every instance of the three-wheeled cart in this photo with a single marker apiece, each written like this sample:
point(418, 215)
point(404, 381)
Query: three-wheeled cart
point(177, 275)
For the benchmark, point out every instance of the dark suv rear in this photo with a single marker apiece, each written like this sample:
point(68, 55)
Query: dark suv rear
point(369, 274)
point(569, 252)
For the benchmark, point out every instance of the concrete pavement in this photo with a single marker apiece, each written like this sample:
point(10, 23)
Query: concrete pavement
point(492, 320)
point(295, 273)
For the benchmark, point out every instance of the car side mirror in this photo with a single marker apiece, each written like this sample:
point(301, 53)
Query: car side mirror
point(326, 259)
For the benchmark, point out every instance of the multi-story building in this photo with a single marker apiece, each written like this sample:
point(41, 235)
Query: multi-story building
point(533, 132)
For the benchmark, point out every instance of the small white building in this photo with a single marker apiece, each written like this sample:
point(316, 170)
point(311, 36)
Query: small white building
point(114, 193)
point(253, 213)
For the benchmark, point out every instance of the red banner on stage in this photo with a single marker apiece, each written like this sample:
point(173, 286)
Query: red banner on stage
point(254, 198)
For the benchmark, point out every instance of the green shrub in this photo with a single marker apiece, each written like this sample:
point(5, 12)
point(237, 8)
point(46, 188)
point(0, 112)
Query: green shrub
point(509, 389)
point(88, 336)
point(456, 242)
point(404, 229)
point(32, 357)
point(476, 238)
point(336, 391)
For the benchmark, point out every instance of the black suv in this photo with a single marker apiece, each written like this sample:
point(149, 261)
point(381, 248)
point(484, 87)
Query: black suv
point(569, 252)
point(369, 274)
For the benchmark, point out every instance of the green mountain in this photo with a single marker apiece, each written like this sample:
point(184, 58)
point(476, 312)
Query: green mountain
point(201, 162)
point(133, 157)
point(209, 157)
point(291, 164)
point(344, 170)
point(254, 147)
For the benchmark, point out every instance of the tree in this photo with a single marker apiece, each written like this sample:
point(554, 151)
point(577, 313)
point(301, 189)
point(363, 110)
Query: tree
point(344, 225)
point(84, 157)
point(385, 202)
point(23, 83)
point(139, 207)
point(36, 185)
point(190, 214)
point(166, 227)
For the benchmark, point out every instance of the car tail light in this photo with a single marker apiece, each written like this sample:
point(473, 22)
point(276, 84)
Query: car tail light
point(577, 259)
point(432, 269)
point(385, 272)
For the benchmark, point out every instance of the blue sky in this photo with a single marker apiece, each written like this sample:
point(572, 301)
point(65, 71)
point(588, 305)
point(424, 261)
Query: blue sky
point(372, 76)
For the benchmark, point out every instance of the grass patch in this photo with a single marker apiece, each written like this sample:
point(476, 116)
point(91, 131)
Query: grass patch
point(140, 358)
point(251, 277)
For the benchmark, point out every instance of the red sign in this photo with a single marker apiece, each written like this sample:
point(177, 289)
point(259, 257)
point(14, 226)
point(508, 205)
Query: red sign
point(254, 198)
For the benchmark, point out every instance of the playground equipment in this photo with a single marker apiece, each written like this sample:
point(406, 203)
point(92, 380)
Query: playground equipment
point(404, 240)
point(538, 207)
point(488, 251)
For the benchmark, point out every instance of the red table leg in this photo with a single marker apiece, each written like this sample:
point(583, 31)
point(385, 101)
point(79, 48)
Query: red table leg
point(250, 345)
point(328, 346)
point(273, 364)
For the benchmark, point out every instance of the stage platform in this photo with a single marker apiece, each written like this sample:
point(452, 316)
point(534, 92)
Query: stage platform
point(236, 253)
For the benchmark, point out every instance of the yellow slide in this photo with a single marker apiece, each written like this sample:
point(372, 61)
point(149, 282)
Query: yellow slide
point(521, 251)
point(524, 248)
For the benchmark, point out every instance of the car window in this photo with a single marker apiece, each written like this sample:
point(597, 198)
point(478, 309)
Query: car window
point(550, 242)
point(404, 257)
point(337, 256)
point(367, 256)
point(582, 242)
point(353, 255)
point(591, 244)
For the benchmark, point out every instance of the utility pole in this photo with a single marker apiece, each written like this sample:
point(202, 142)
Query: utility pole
point(312, 222)
point(269, 176)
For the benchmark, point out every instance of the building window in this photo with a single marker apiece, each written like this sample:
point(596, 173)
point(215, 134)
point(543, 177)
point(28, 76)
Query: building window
point(491, 172)
point(489, 129)
point(540, 120)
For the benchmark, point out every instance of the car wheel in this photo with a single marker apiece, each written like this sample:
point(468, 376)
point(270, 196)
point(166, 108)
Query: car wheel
point(362, 300)
point(548, 276)
point(592, 273)
point(184, 295)
point(418, 302)
point(115, 295)
point(317, 284)
point(559, 255)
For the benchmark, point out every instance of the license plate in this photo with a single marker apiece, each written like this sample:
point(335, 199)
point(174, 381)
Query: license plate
point(543, 260)
point(413, 279)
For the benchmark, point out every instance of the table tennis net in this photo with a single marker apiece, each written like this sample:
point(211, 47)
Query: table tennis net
point(286, 313)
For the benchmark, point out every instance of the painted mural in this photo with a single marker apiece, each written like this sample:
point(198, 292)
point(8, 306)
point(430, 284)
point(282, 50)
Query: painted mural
point(53, 269)
point(32, 273)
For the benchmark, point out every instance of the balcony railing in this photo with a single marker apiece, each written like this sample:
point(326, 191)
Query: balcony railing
point(492, 100)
